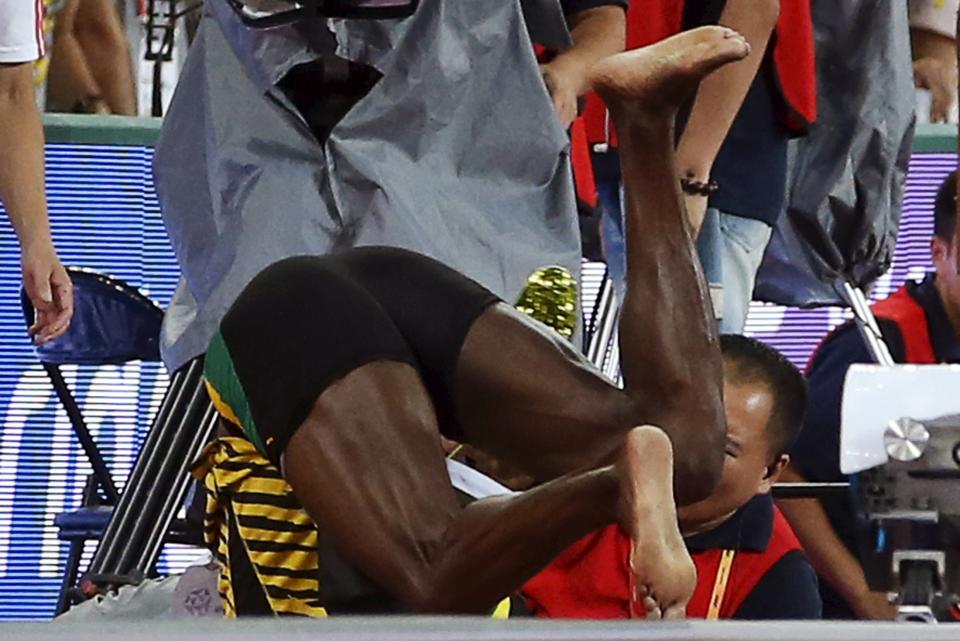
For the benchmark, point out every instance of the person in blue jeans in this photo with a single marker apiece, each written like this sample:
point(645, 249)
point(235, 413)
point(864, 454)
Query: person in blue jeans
point(750, 173)
point(733, 147)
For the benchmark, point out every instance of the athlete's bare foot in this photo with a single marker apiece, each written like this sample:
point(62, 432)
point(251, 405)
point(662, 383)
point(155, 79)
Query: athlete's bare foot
point(663, 575)
point(658, 78)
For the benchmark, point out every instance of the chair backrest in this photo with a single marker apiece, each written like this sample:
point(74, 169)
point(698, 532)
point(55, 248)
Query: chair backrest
point(112, 323)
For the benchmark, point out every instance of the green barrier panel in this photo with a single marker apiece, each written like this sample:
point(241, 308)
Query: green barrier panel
point(101, 130)
point(935, 139)
point(124, 130)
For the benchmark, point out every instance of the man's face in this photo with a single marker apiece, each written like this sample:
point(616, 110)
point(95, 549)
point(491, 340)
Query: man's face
point(946, 260)
point(746, 466)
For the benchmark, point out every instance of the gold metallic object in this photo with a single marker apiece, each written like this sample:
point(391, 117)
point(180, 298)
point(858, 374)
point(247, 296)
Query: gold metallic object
point(550, 296)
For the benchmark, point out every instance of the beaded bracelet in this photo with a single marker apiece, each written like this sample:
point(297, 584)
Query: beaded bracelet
point(698, 187)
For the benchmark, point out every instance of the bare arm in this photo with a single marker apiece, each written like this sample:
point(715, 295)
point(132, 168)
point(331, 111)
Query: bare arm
point(720, 96)
point(22, 193)
point(597, 33)
point(935, 69)
point(829, 556)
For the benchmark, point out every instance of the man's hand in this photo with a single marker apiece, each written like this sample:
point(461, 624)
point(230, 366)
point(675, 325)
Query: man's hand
point(563, 83)
point(940, 80)
point(597, 32)
point(50, 290)
point(22, 192)
point(874, 606)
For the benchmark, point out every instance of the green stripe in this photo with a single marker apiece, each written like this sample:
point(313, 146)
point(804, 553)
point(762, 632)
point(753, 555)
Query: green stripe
point(101, 130)
point(218, 369)
point(935, 138)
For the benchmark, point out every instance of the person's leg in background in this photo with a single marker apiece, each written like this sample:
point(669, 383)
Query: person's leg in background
point(606, 169)
point(100, 32)
point(71, 85)
point(709, 251)
point(731, 248)
point(91, 70)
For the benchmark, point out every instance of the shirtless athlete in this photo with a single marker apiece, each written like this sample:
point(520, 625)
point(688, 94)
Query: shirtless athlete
point(344, 369)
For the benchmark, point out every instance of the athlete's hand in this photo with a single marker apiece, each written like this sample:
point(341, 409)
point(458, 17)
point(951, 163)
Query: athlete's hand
point(941, 81)
point(563, 83)
point(50, 290)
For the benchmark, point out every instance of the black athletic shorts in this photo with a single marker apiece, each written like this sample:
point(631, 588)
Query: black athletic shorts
point(307, 321)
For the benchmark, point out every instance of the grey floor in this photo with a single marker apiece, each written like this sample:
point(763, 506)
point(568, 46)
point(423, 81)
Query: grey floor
point(473, 629)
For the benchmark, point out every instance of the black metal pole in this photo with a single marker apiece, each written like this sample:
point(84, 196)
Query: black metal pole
point(115, 537)
point(809, 490)
point(164, 478)
point(100, 469)
point(174, 498)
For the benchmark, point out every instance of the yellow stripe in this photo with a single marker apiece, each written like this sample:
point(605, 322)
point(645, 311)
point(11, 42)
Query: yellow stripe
point(271, 512)
point(308, 539)
point(297, 606)
point(502, 611)
point(720, 585)
point(288, 583)
point(220, 405)
point(276, 487)
point(286, 559)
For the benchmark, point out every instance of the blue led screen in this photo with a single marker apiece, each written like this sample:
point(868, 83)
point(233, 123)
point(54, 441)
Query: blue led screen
point(106, 218)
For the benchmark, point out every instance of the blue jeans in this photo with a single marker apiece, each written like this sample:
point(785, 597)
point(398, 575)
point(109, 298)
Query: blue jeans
point(730, 248)
point(610, 199)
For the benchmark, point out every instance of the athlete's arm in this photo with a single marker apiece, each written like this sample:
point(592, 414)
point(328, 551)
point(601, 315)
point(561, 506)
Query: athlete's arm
point(22, 192)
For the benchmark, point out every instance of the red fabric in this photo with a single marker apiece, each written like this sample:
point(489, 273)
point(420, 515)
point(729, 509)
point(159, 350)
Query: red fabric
point(793, 54)
point(583, 179)
point(590, 580)
point(748, 568)
point(795, 62)
point(910, 318)
point(39, 12)
point(647, 22)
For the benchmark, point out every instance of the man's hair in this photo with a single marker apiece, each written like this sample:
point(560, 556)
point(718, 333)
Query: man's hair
point(945, 209)
point(747, 360)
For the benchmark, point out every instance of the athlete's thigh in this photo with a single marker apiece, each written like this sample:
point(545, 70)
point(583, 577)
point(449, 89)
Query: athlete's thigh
point(527, 396)
point(368, 467)
point(297, 327)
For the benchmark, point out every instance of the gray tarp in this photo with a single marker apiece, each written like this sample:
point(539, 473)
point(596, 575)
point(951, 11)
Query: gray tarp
point(456, 153)
point(846, 178)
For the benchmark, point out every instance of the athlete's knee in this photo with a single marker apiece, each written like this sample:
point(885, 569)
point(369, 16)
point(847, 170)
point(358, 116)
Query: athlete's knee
point(696, 435)
point(698, 458)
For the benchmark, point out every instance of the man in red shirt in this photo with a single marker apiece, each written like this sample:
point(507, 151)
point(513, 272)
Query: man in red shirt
point(749, 563)
point(920, 323)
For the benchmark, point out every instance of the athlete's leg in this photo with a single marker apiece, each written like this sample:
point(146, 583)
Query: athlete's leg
point(366, 465)
point(316, 373)
point(669, 348)
point(527, 397)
